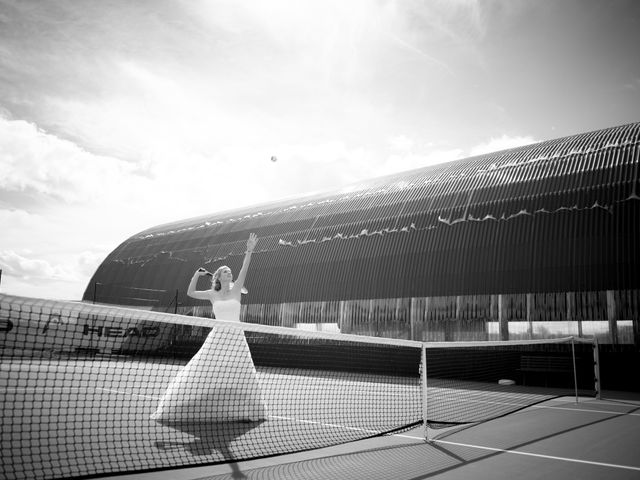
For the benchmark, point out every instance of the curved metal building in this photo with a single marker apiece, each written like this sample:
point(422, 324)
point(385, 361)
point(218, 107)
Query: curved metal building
point(524, 242)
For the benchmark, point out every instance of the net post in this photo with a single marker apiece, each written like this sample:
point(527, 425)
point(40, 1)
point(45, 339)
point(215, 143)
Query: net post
point(596, 368)
point(423, 371)
point(575, 371)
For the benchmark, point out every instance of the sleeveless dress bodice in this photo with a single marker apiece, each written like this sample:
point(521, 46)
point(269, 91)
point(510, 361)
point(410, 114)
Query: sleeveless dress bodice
point(227, 310)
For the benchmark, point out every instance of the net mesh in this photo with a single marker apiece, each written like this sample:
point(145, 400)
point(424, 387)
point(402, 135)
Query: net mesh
point(89, 390)
point(479, 381)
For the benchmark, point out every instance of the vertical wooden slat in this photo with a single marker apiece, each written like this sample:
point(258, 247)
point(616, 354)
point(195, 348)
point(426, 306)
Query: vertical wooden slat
point(612, 316)
point(503, 319)
point(530, 307)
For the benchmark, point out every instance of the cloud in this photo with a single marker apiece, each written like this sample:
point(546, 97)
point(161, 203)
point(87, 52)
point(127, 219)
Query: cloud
point(396, 163)
point(63, 209)
point(168, 182)
point(136, 84)
point(34, 268)
point(401, 142)
point(141, 114)
point(51, 255)
point(503, 142)
point(88, 204)
point(32, 161)
point(408, 154)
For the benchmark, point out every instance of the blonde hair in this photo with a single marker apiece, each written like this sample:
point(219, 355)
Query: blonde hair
point(217, 286)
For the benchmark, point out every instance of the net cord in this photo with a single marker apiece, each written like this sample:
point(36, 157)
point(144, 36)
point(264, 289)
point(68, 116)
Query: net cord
point(52, 307)
point(73, 309)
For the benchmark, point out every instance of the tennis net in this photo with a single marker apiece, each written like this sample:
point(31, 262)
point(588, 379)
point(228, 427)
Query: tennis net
point(90, 390)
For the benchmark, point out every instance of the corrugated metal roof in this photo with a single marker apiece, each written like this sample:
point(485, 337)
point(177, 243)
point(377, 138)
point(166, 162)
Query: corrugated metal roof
point(544, 217)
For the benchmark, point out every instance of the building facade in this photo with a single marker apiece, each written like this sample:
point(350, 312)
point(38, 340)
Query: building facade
point(531, 242)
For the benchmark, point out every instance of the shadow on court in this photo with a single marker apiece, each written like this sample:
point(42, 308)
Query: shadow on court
point(209, 438)
point(450, 457)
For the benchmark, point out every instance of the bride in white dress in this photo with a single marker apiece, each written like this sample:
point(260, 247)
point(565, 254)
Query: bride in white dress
point(219, 383)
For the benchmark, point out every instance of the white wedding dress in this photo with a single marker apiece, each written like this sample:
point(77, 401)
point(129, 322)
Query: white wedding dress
point(219, 384)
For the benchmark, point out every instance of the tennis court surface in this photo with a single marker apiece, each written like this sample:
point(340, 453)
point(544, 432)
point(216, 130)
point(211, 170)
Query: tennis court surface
point(559, 439)
point(337, 406)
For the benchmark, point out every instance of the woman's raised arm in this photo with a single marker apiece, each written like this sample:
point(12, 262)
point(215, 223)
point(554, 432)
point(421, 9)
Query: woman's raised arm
point(251, 244)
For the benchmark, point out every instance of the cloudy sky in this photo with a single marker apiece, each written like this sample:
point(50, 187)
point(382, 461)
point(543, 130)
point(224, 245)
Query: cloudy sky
point(119, 115)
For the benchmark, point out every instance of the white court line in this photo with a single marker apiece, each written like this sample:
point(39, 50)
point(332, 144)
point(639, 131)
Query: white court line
point(128, 393)
point(608, 412)
point(549, 407)
point(332, 425)
point(587, 410)
point(540, 455)
point(375, 432)
point(480, 447)
point(570, 409)
point(621, 403)
point(66, 389)
point(576, 409)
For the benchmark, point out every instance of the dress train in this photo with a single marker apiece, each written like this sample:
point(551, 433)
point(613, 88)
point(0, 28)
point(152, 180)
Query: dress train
point(219, 384)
